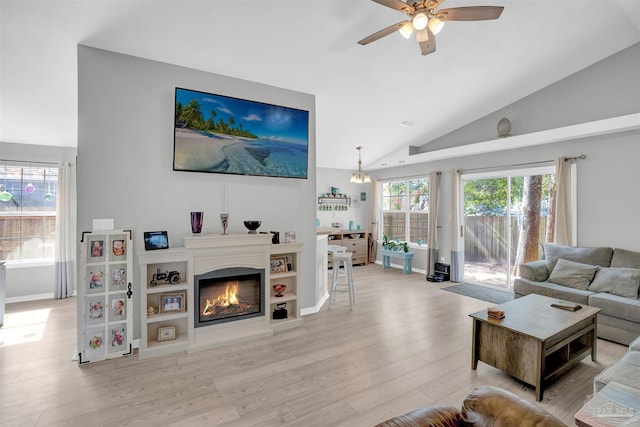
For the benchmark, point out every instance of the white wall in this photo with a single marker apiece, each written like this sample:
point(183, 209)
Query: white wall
point(608, 180)
point(24, 280)
point(609, 88)
point(608, 183)
point(125, 146)
point(359, 212)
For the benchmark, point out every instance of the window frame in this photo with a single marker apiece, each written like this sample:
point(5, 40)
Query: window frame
point(16, 175)
point(406, 211)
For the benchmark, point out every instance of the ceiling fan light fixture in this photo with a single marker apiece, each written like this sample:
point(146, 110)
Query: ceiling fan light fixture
point(435, 25)
point(422, 35)
point(406, 30)
point(420, 21)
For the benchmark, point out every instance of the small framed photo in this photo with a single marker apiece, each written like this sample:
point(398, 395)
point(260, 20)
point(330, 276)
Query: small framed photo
point(118, 247)
point(118, 309)
point(166, 333)
point(279, 265)
point(118, 277)
point(95, 279)
point(290, 237)
point(173, 302)
point(363, 196)
point(96, 249)
point(117, 337)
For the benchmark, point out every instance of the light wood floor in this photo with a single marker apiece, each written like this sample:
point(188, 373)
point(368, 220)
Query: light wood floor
point(405, 345)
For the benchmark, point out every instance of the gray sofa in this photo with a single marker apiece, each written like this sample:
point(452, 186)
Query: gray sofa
point(600, 277)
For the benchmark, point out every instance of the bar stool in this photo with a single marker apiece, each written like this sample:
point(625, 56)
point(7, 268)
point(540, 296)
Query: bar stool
point(343, 267)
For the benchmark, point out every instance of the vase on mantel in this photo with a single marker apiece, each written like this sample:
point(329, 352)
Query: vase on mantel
point(196, 222)
point(224, 218)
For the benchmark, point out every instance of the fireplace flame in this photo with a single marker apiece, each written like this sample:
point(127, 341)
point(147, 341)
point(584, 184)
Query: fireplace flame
point(229, 297)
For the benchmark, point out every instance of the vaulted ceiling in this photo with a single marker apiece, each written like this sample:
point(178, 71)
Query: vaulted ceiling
point(384, 96)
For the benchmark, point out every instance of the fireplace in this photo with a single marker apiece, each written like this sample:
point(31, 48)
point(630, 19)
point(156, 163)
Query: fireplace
point(228, 294)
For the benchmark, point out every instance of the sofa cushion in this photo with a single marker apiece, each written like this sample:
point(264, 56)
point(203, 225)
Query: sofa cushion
point(624, 371)
point(620, 281)
point(489, 406)
point(635, 345)
point(593, 256)
point(534, 270)
point(573, 274)
point(625, 258)
point(552, 290)
point(616, 306)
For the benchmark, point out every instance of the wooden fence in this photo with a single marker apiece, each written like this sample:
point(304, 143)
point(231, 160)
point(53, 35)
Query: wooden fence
point(485, 238)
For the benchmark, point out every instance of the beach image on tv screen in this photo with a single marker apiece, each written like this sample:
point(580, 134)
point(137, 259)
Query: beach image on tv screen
point(220, 134)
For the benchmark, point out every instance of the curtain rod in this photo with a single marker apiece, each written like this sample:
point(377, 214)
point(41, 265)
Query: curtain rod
point(541, 162)
point(407, 177)
point(29, 162)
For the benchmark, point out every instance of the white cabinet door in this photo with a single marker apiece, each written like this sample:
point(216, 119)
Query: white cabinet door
point(105, 307)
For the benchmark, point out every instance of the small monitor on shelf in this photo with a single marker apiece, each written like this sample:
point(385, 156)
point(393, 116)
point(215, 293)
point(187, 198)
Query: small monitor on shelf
point(155, 240)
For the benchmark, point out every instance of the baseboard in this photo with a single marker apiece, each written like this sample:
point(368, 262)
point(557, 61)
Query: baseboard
point(316, 308)
point(25, 298)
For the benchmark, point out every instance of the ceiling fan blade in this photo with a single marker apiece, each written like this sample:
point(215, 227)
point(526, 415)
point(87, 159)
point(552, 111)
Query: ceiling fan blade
point(382, 33)
point(429, 46)
point(398, 5)
point(470, 13)
point(432, 4)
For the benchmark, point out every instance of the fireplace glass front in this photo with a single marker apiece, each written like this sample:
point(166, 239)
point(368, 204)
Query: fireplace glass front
point(229, 294)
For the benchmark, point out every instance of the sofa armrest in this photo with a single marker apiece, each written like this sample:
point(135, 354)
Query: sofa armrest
point(488, 406)
point(432, 416)
point(535, 270)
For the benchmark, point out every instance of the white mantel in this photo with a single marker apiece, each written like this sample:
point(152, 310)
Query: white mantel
point(211, 252)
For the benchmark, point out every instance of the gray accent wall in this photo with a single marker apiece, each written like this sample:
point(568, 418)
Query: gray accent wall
point(609, 88)
point(125, 149)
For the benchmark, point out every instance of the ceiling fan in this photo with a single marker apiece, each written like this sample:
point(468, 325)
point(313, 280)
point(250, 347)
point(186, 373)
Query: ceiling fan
point(427, 21)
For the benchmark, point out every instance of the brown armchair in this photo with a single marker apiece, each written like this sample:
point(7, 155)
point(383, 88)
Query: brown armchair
point(483, 407)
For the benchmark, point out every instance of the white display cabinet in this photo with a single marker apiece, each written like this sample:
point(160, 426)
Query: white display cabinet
point(165, 301)
point(285, 269)
point(105, 307)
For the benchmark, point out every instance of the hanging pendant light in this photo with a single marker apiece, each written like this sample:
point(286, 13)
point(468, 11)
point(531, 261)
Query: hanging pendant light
point(358, 177)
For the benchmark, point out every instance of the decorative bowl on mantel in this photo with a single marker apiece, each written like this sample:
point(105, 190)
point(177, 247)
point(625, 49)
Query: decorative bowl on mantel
point(252, 226)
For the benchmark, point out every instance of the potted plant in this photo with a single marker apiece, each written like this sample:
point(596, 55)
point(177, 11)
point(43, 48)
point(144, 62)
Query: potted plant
point(389, 244)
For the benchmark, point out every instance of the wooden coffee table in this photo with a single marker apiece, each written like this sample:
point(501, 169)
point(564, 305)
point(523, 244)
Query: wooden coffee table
point(535, 342)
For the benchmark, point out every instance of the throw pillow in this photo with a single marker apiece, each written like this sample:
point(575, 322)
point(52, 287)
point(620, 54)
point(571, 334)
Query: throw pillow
point(593, 256)
point(621, 281)
point(573, 274)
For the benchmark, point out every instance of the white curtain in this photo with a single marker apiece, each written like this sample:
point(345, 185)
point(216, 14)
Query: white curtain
point(564, 214)
point(432, 235)
point(65, 232)
point(457, 233)
point(375, 220)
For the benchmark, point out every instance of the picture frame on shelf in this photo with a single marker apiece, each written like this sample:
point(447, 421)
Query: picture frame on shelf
point(279, 265)
point(290, 237)
point(154, 240)
point(172, 302)
point(166, 333)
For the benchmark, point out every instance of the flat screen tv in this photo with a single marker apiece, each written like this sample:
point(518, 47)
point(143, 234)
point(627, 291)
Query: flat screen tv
point(220, 134)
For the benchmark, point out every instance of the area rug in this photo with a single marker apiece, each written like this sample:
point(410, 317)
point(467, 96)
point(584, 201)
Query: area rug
point(484, 293)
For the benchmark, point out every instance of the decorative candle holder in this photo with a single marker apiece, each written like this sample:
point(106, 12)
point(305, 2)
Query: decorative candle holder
point(224, 217)
point(196, 222)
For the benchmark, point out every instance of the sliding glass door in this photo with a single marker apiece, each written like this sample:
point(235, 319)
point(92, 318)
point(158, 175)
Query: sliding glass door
point(505, 220)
